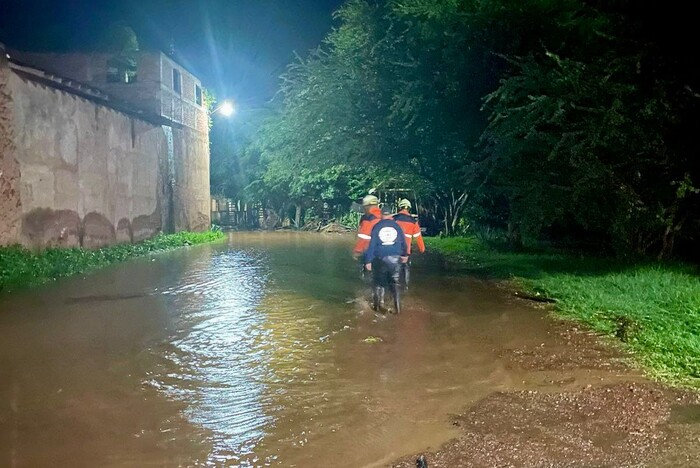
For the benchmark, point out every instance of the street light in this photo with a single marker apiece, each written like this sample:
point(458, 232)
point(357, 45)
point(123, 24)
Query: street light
point(226, 109)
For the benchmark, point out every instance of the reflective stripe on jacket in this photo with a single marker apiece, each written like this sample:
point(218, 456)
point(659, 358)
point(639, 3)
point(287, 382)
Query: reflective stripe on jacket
point(364, 232)
point(411, 229)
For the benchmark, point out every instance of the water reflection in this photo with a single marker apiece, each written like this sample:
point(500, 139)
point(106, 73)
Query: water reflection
point(220, 351)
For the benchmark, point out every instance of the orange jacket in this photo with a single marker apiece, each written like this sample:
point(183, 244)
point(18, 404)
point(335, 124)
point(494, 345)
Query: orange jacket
point(411, 229)
point(364, 232)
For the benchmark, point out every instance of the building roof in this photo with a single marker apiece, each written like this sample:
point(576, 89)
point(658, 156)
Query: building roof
point(83, 90)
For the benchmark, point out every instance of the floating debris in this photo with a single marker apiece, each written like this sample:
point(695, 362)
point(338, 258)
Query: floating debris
point(372, 339)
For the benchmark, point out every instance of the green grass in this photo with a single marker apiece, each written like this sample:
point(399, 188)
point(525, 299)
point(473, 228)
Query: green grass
point(21, 268)
point(653, 308)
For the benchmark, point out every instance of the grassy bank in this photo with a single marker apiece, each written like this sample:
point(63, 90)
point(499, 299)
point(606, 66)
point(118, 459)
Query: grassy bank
point(653, 308)
point(20, 267)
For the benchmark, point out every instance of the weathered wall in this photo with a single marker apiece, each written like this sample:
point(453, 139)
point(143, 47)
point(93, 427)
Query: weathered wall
point(90, 176)
point(91, 69)
point(144, 93)
point(152, 91)
point(10, 205)
point(192, 200)
point(70, 65)
point(181, 107)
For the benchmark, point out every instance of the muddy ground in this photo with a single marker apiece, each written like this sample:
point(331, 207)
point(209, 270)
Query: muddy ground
point(635, 423)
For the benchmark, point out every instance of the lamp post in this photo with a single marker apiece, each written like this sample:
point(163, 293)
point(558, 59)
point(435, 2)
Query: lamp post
point(226, 109)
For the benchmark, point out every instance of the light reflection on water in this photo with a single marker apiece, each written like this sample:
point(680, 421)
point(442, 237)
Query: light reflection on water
point(246, 349)
point(220, 349)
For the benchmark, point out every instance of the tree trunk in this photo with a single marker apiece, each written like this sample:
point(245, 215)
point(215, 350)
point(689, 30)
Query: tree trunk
point(452, 207)
point(514, 237)
point(457, 207)
point(297, 216)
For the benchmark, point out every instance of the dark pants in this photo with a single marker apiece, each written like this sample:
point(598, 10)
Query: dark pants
point(385, 275)
point(405, 274)
point(386, 271)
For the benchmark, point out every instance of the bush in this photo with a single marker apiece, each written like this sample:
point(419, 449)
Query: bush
point(20, 267)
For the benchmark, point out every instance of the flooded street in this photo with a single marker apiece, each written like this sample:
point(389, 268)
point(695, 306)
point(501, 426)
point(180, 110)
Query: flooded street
point(255, 352)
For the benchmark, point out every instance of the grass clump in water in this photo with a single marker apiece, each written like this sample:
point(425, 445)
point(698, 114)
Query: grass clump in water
point(653, 308)
point(20, 267)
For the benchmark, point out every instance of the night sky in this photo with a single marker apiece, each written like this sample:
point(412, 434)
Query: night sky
point(237, 47)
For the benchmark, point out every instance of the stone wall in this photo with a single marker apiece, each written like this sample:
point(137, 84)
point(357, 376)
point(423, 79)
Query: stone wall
point(76, 172)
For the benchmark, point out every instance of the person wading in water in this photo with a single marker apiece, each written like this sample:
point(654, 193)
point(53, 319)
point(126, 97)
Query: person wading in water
point(372, 216)
point(386, 252)
point(411, 230)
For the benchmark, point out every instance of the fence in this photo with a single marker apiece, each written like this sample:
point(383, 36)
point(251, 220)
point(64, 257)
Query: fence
point(235, 214)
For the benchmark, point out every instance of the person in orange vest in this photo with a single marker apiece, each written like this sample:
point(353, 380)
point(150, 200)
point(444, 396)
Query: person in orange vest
point(411, 230)
point(371, 217)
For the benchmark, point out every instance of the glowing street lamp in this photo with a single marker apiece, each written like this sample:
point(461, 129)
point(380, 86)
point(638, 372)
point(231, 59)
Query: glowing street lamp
point(226, 109)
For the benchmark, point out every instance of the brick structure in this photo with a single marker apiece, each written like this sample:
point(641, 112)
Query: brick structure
point(92, 154)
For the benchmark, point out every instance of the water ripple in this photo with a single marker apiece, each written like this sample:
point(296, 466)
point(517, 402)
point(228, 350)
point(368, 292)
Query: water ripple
point(218, 344)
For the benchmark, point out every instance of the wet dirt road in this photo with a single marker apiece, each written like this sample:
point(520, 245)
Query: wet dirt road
point(254, 352)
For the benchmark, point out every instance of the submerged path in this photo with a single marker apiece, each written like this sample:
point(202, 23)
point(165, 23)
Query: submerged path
point(262, 351)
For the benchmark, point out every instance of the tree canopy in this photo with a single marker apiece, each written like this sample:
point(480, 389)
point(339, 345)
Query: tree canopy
point(565, 121)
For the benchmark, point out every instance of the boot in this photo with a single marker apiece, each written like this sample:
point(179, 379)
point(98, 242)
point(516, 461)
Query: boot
point(377, 298)
point(395, 291)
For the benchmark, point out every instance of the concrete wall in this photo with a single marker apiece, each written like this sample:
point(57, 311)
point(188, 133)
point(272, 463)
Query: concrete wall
point(10, 203)
point(74, 171)
point(192, 199)
point(88, 175)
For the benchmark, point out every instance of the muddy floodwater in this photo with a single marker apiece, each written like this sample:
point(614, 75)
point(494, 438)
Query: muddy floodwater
point(261, 351)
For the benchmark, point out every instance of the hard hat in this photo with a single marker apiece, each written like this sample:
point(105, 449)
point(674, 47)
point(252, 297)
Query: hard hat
point(370, 200)
point(404, 203)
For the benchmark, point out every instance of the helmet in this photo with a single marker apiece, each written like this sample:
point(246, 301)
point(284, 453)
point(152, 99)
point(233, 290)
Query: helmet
point(404, 203)
point(370, 200)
